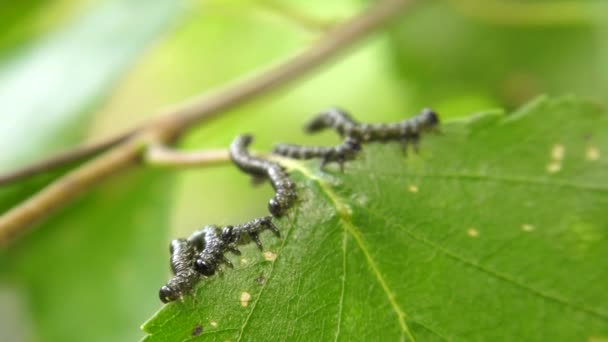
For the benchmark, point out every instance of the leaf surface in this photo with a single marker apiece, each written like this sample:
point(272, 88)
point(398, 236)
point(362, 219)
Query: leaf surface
point(495, 231)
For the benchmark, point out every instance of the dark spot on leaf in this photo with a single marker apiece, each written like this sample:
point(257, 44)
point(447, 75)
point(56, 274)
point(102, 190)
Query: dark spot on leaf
point(261, 279)
point(197, 330)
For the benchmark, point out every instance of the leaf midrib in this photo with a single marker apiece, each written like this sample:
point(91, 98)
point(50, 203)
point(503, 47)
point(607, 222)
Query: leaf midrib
point(343, 289)
point(346, 219)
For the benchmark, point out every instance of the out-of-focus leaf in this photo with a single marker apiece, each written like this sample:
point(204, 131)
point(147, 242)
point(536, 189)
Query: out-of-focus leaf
point(92, 272)
point(82, 275)
point(25, 20)
point(49, 87)
point(495, 231)
point(461, 63)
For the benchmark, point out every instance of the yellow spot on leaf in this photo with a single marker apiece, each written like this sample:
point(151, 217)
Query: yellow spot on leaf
point(245, 298)
point(244, 261)
point(584, 235)
point(270, 256)
point(412, 188)
point(554, 167)
point(472, 232)
point(213, 324)
point(527, 227)
point(592, 153)
point(557, 152)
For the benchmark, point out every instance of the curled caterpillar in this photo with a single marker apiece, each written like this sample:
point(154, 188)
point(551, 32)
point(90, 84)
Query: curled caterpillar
point(285, 194)
point(340, 154)
point(406, 131)
point(210, 238)
point(218, 241)
point(185, 277)
point(203, 252)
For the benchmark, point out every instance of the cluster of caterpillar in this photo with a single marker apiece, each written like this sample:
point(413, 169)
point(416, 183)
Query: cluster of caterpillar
point(204, 251)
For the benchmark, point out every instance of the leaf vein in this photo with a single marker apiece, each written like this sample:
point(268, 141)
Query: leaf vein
point(341, 302)
point(491, 272)
point(502, 179)
point(349, 227)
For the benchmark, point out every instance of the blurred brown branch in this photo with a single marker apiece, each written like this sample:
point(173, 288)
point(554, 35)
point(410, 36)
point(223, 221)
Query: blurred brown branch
point(126, 149)
point(67, 157)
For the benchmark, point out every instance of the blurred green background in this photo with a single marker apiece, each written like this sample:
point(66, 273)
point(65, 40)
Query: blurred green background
point(77, 71)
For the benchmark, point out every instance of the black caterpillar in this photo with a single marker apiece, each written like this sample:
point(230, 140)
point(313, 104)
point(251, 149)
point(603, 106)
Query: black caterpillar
point(285, 194)
point(203, 252)
point(340, 154)
point(406, 131)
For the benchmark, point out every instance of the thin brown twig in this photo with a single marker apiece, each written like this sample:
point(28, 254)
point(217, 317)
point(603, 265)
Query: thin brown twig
point(170, 125)
point(64, 158)
point(66, 188)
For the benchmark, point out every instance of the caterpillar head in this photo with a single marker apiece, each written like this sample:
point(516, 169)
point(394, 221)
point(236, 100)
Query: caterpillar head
point(229, 234)
point(167, 294)
point(353, 144)
point(205, 267)
point(430, 118)
point(275, 208)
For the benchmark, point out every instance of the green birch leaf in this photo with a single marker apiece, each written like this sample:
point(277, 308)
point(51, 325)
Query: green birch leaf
point(495, 231)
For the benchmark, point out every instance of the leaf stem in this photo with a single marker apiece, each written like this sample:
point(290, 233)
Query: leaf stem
point(165, 156)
